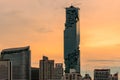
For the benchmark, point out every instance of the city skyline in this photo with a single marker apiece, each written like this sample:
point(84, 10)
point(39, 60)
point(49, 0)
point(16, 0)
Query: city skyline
point(40, 24)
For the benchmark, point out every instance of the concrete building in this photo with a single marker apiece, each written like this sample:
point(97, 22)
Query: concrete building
point(21, 61)
point(87, 77)
point(34, 73)
point(46, 71)
point(72, 40)
point(102, 74)
point(58, 71)
point(72, 75)
point(5, 70)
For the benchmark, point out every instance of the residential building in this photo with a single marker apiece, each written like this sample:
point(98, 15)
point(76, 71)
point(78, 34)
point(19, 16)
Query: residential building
point(46, 71)
point(73, 75)
point(102, 74)
point(58, 71)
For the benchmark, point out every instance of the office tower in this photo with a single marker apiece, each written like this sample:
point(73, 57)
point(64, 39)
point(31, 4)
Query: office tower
point(34, 73)
point(5, 70)
point(87, 77)
point(71, 40)
point(20, 58)
point(102, 74)
point(46, 69)
point(72, 75)
point(58, 71)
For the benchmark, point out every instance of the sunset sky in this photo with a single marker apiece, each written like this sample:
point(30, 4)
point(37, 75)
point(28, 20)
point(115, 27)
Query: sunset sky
point(40, 24)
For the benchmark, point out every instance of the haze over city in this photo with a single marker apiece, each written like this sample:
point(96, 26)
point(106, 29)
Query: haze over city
point(40, 24)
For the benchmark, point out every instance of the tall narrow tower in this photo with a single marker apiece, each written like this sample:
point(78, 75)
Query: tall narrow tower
point(71, 40)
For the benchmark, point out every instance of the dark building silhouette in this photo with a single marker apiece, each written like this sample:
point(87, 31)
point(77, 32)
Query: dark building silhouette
point(34, 73)
point(58, 71)
point(21, 61)
point(46, 69)
point(102, 74)
point(5, 70)
point(72, 40)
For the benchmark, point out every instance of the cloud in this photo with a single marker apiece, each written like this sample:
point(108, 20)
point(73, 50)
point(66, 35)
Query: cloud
point(44, 30)
point(117, 45)
point(103, 60)
point(11, 12)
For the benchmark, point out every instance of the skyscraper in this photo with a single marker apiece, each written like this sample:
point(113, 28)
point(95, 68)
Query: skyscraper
point(46, 71)
point(20, 59)
point(71, 40)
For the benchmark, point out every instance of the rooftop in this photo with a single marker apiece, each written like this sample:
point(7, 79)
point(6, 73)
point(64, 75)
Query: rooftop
point(102, 70)
point(15, 49)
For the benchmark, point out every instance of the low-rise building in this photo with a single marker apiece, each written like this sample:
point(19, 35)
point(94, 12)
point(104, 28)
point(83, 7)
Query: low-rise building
point(58, 71)
point(101, 74)
point(34, 73)
point(87, 77)
point(73, 75)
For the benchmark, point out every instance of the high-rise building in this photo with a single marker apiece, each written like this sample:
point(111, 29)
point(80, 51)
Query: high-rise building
point(21, 61)
point(46, 71)
point(5, 70)
point(58, 71)
point(34, 73)
point(72, 40)
point(102, 74)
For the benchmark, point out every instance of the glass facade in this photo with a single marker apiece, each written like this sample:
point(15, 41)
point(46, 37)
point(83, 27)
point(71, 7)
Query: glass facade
point(20, 58)
point(71, 40)
point(5, 70)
